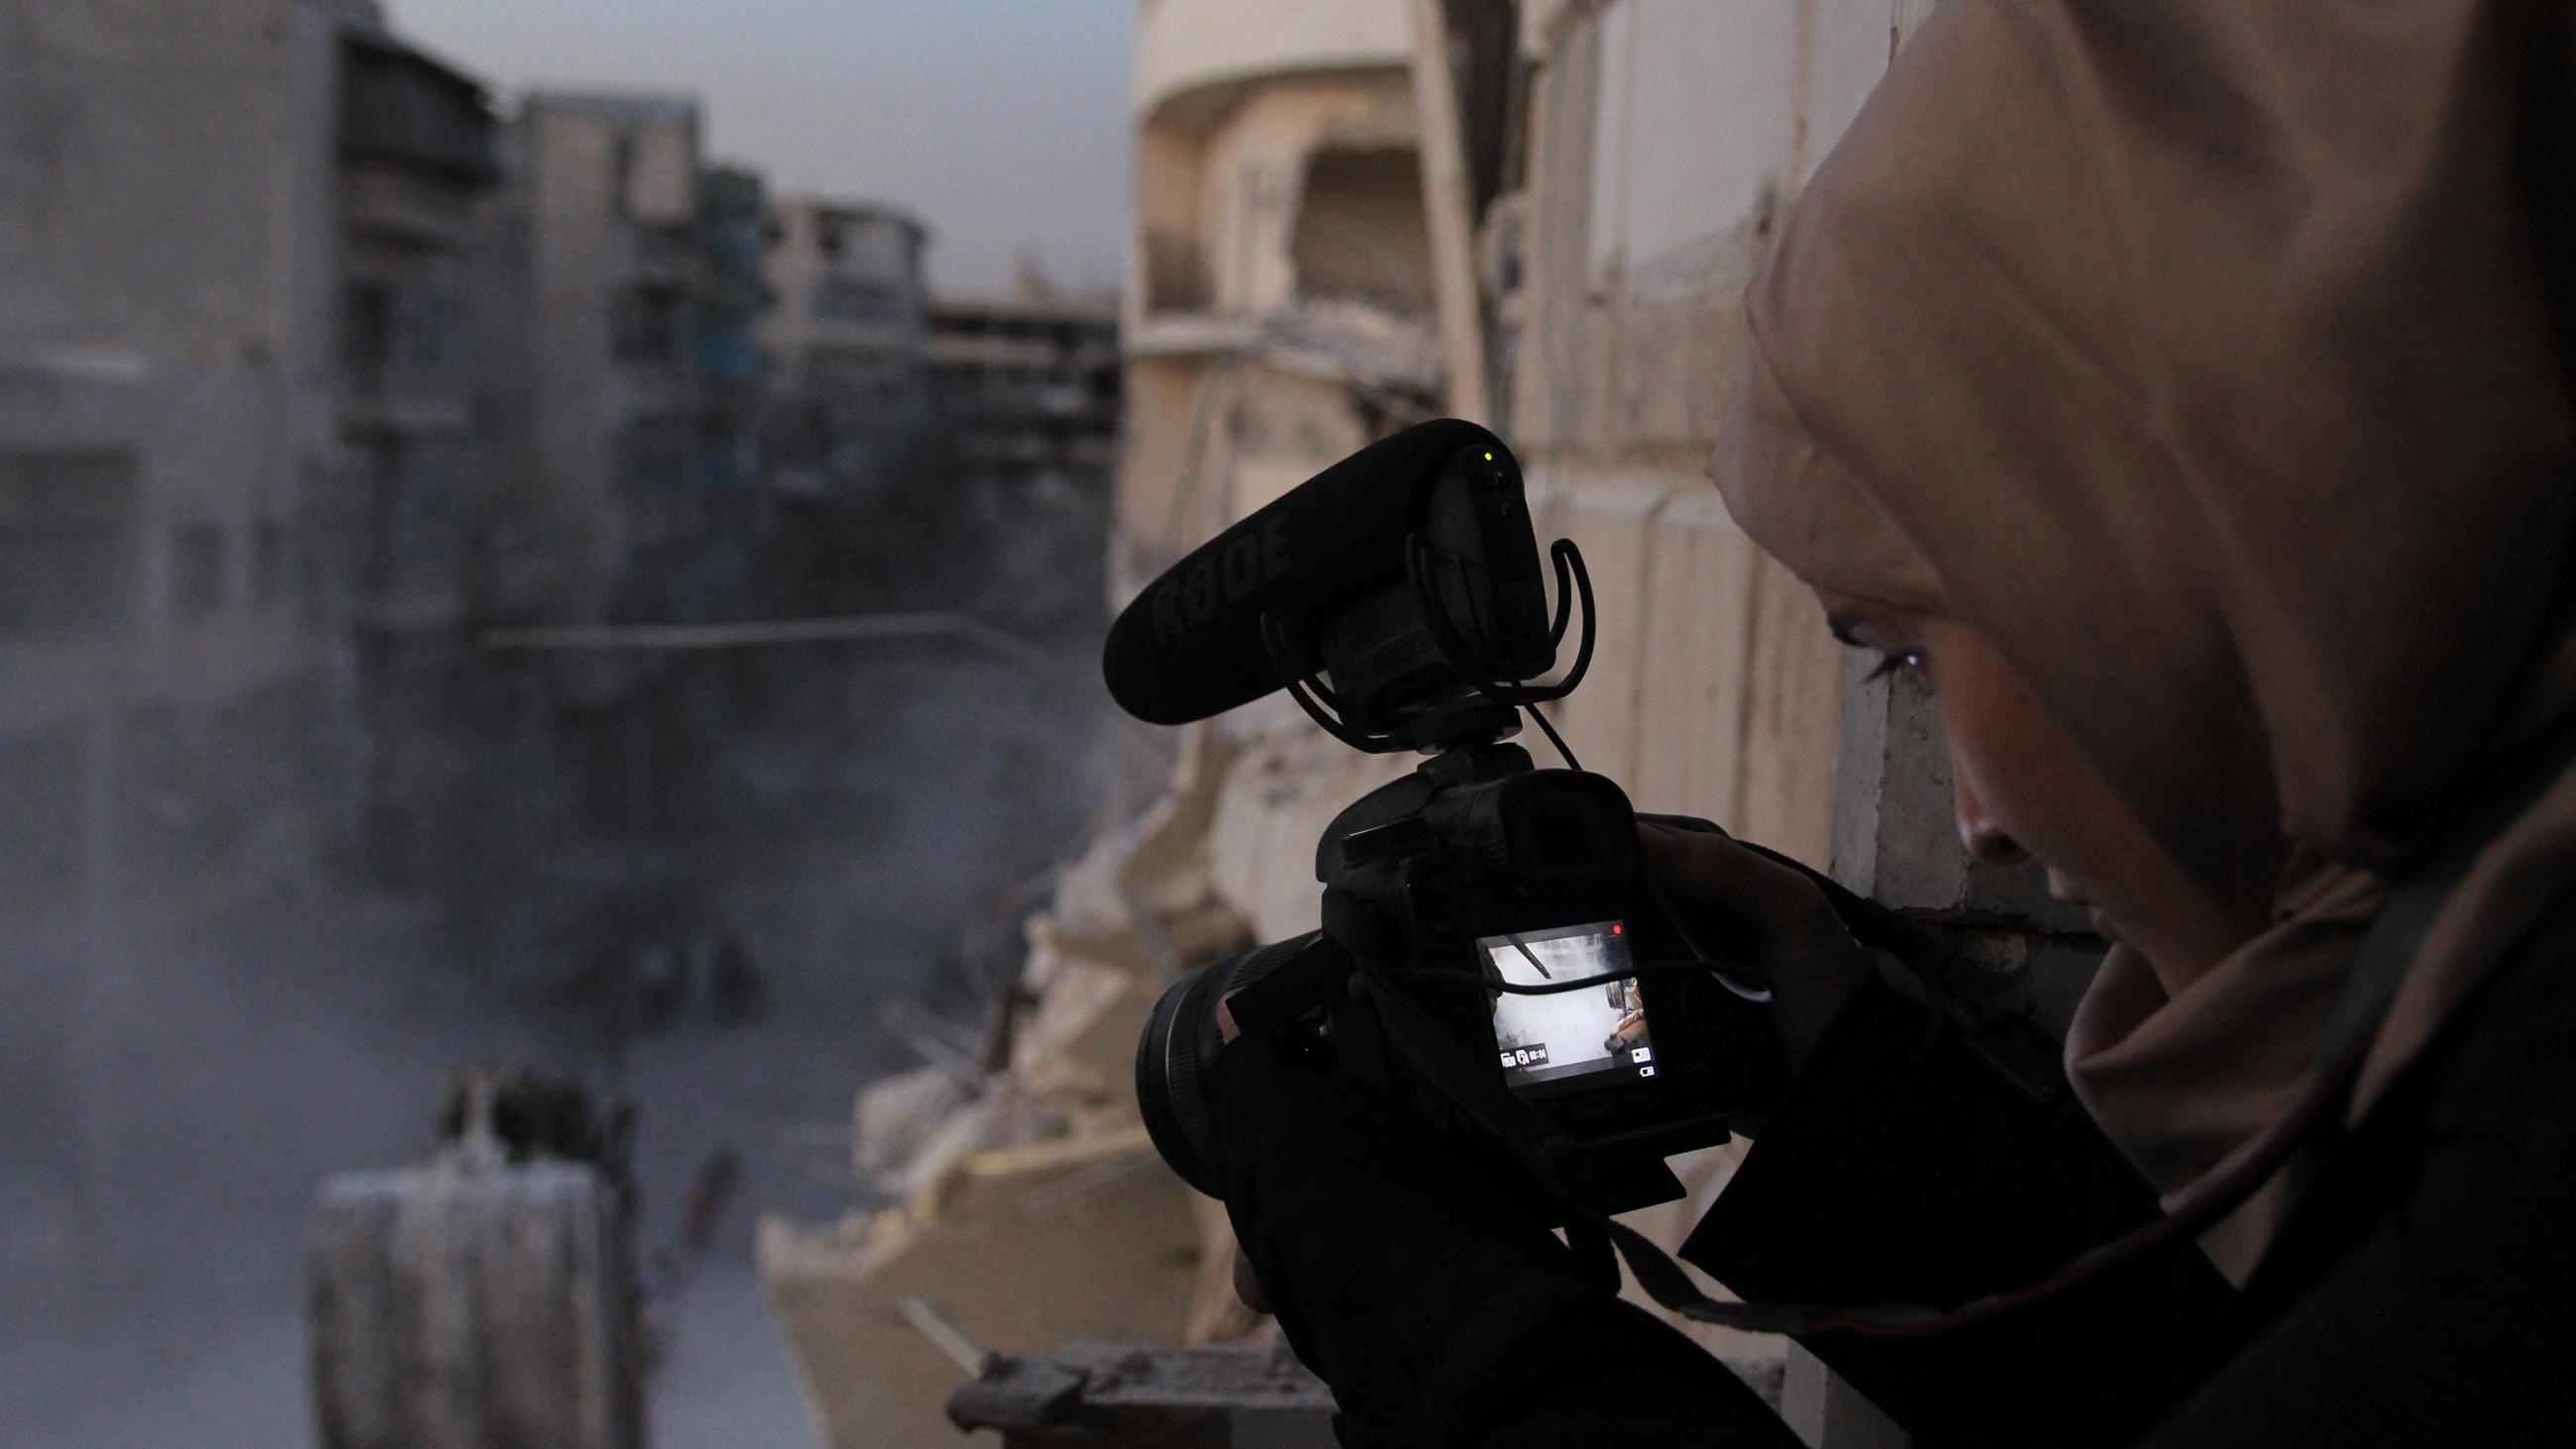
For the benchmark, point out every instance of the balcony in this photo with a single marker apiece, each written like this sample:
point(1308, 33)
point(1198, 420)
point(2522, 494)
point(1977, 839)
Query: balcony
point(402, 110)
point(378, 199)
point(1202, 49)
point(402, 351)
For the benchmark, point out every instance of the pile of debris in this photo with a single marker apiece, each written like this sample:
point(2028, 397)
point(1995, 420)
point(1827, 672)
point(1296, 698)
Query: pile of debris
point(1022, 1200)
point(490, 1294)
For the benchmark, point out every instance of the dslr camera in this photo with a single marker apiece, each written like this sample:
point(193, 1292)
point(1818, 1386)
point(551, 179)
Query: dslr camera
point(1493, 956)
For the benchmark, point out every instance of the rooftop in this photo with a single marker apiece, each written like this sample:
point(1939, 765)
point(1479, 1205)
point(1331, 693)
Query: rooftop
point(841, 209)
point(1073, 307)
point(624, 107)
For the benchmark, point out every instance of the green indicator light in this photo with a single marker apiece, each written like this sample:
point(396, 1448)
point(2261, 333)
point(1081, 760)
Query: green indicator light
point(1489, 457)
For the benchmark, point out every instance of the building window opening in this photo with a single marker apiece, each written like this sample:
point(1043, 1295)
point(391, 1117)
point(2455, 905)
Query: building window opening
point(840, 299)
point(645, 324)
point(1360, 233)
point(270, 562)
point(197, 569)
point(66, 543)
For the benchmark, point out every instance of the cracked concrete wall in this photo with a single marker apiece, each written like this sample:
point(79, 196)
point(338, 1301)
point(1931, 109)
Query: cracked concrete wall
point(1664, 139)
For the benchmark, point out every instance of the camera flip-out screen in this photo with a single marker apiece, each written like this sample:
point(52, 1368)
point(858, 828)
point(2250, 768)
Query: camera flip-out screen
point(1596, 1028)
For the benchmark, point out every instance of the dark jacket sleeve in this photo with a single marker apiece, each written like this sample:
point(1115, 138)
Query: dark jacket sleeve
point(1910, 1165)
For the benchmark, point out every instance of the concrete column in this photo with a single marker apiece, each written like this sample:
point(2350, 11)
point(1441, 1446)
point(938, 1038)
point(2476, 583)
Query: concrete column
point(1446, 204)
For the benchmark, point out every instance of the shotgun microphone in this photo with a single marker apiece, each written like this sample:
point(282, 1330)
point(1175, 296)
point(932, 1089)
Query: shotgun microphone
point(1406, 572)
point(1458, 894)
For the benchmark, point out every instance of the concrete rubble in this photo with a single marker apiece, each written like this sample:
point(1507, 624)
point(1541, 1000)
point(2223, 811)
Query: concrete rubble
point(1099, 1393)
point(1026, 1205)
point(487, 1297)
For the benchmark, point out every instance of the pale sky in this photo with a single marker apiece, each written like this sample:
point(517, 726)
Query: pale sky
point(1003, 123)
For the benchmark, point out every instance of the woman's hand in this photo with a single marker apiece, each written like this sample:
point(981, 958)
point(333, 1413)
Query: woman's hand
point(1375, 1237)
point(1730, 897)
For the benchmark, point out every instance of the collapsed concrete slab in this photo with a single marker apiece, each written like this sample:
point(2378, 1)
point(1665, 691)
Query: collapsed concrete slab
point(487, 1298)
point(1022, 1248)
point(1105, 1394)
point(1027, 1206)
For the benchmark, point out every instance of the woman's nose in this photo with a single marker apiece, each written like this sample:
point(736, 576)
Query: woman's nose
point(1979, 835)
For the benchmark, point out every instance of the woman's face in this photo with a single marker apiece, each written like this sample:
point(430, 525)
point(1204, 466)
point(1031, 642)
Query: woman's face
point(2019, 786)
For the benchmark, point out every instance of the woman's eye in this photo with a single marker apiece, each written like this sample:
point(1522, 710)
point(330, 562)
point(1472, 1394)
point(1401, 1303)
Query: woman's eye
point(1908, 660)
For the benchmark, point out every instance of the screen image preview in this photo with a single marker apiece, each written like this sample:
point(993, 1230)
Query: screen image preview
point(1589, 1029)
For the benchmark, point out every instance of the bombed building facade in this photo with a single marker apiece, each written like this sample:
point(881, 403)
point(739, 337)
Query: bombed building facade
point(845, 331)
point(426, 366)
point(1350, 217)
point(1280, 305)
point(318, 362)
point(418, 163)
point(1028, 385)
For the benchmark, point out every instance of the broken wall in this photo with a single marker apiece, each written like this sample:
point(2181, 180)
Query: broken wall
point(1276, 318)
point(1257, 186)
point(1662, 141)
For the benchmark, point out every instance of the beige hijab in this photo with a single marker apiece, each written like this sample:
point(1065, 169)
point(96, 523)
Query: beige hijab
point(2197, 352)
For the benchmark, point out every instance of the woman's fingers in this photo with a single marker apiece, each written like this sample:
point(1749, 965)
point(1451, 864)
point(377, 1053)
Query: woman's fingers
point(1770, 898)
point(1806, 954)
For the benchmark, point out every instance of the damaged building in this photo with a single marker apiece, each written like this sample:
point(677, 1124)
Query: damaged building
point(1350, 216)
point(1027, 386)
point(1281, 312)
point(844, 334)
point(1280, 309)
point(611, 191)
point(231, 458)
point(418, 162)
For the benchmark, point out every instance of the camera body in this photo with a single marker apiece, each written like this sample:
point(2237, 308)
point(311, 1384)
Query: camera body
point(1493, 872)
point(1495, 959)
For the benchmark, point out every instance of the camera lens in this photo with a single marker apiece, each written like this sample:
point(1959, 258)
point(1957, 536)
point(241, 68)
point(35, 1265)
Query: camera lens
point(1177, 1056)
point(1172, 1064)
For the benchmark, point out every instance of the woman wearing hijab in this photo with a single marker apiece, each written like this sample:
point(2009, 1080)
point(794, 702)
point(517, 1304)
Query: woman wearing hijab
point(2179, 391)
